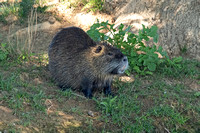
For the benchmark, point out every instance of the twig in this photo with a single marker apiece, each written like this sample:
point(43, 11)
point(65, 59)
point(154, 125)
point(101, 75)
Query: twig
point(167, 130)
point(75, 94)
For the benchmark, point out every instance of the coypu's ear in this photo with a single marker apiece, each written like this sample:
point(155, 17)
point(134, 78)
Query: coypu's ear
point(97, 49)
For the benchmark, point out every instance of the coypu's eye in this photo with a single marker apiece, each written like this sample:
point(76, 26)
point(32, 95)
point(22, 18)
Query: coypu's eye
point(110, 54)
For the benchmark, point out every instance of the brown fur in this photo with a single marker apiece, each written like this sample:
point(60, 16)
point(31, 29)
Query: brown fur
point(75, 59)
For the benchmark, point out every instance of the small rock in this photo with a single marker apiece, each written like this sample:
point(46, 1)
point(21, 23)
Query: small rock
point(11, 18)
point(5, 131)
point(37, 81)
point(52, 20)
point(90, 113)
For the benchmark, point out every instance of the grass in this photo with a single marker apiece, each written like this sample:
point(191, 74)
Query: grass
point(161, 102)
point(21, 10)
point(166, 101)
point(7, 9)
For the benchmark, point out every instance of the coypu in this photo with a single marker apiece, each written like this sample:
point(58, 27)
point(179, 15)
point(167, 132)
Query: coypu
point(76, 61)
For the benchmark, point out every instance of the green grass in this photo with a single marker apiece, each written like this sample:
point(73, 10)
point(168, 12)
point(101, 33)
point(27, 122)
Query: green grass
point(166, 101)
point(160, 102)
point(7, 9)
point(19, 9)
point(93, 5)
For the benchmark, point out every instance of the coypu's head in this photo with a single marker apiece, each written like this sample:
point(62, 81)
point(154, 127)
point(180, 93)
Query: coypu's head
point(108, 59)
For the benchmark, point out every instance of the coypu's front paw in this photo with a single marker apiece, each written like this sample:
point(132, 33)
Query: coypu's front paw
point(107, 92)
point(87, 93)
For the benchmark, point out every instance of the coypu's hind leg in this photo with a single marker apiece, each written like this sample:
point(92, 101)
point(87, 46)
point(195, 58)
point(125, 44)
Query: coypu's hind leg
point(87, 87)
point(63, 88)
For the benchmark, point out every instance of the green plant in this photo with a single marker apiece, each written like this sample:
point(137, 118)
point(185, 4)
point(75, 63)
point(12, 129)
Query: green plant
point(6, 9)
point(121, 109)
point(25, 8)
point(6, 84)
point(184, 49)
point(143, 59)
point(166, 111)
point(20, 45)
point(197, 94)
point(94, 5)
point(3, 52)
point(108, 105)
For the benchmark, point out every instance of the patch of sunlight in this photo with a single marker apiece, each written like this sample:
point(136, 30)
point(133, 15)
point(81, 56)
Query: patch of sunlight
point(136, 20)
point(64, 116)
point(74, 123)
point(6, 115)
point(64, 119)
point(87, 19)
point(7, 110)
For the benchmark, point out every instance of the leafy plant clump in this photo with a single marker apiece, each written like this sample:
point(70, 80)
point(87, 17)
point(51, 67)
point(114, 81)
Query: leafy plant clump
point(20, 9)
point(143, 59)
point(93, 5)
point(25, 8)
point(7, 9)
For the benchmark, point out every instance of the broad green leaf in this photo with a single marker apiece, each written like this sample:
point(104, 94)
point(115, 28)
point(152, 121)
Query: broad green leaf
point(151, 66)
point(137, 69)
point(148, 72)
point(197, 94)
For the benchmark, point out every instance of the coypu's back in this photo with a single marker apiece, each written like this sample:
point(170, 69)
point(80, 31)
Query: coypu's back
point(72, 37)
point(76, 61)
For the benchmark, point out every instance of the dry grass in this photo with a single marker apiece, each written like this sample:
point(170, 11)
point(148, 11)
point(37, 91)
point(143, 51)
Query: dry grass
point(22, 41)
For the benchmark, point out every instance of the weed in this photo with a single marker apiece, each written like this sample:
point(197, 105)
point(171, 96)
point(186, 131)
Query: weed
point(38, 100)
point(7, 9)
point(42, 9)
point(120, 108)
point(166, 111)
point(142, 59)
point(3, 52)
point(6, 84)
point(197, 94)
point(184, 49)
point(183, 69)
point(21, 46)
point(93, 5)
point(25, 8)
